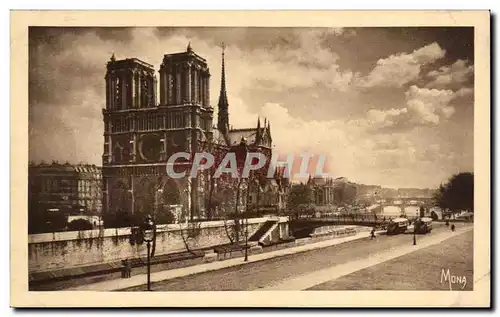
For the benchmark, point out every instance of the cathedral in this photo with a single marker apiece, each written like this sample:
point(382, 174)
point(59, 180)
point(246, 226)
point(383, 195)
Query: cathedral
point(141, 133)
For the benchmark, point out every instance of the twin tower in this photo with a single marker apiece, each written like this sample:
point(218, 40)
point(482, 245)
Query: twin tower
point(132, 84)
point(140, 133)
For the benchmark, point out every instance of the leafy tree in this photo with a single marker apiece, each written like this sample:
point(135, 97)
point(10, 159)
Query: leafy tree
point(457, 194)
point(345, 193)
point(165, 217)
point(55, 221)
point(299, 199)
point(79, 224)
point(434, 215)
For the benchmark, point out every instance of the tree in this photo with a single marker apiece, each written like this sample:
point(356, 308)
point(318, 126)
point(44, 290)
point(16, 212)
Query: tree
point(434, 215)
point(345, 193)
point(164, 217)
point(457, 194)
point(299, 198)
point(79, 224)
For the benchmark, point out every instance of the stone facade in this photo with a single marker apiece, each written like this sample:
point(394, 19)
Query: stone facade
point(322, 191)
point(72, 189)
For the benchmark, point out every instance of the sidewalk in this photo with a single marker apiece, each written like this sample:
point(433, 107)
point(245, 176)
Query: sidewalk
point(332, 273)
point(136, 280)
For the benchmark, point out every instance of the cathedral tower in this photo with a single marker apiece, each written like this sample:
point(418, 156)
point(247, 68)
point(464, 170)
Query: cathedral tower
point(130, 83)
point(184, 79)
point(140, 134)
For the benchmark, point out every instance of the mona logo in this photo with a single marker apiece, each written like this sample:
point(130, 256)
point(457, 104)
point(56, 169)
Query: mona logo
point(452, 279)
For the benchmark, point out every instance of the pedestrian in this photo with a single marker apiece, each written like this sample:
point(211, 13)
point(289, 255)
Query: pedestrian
point(372, 234)
point(127, 269)
point(453, 227)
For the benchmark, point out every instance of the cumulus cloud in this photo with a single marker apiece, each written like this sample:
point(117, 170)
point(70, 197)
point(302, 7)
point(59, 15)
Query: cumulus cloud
point(427, 106)
point(306, 64)
point(399, 69)
point(294, 135)
point(464, 92)
point(451, 76)
point(385, 118)
point(424, 107)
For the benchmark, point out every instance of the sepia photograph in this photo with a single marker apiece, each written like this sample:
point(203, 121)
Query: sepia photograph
point(247, 159)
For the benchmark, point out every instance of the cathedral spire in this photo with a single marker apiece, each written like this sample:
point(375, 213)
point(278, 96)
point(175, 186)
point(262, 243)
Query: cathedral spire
point(269, 128)
point(257, 138)
point(223, 116)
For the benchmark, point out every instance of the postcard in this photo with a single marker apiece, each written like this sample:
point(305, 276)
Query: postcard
point(250, 159)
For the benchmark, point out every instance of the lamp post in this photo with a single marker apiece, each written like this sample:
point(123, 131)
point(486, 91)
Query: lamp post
point(241, 154)
point(148, 235)
point(415, 231)
point(246, 239)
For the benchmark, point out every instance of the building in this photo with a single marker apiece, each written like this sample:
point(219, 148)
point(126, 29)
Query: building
point(74, 189)
point(141, 134)
point(329, 192)
point(63, 189)
point(270, 195)
point(322, 190)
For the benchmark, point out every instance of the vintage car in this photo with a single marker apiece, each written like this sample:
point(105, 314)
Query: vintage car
point(397, 225)
point(423, 225)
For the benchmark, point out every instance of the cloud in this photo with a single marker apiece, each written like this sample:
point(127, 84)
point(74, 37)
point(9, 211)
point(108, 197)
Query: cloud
point(385, 118)
point(428, 106)
point(399, 69)
point(424, 107)
point(464, 92)
point(308, 63)
point(452, 76)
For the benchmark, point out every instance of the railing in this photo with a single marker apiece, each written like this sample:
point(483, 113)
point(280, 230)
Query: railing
point(262, 231)
point(356, 218)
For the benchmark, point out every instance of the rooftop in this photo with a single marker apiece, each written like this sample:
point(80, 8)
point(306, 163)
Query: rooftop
point(113, 63)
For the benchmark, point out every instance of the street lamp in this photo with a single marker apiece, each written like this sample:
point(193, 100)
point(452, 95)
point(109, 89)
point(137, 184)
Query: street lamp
point(415, 231)
point(148, 234)
point(241, 154)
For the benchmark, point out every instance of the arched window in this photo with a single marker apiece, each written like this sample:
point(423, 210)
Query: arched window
point(117, 153)
point(118, 93)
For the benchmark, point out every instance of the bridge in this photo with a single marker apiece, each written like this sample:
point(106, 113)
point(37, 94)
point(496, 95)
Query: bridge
point(302, 227)
point(408, 201)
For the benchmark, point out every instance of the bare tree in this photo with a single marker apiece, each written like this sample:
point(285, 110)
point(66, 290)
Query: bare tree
point(189, 234)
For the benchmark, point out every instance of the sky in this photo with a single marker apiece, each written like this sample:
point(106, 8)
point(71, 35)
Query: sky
point(386, 106)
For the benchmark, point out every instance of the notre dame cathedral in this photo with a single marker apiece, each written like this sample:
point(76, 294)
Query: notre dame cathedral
point(140, 133)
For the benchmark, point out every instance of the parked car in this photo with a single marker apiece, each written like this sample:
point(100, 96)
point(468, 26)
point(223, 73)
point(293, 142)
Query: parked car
point(423, 225)
point(397, 226)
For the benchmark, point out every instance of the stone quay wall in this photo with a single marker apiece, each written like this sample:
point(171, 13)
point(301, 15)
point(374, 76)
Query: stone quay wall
point(58, 250)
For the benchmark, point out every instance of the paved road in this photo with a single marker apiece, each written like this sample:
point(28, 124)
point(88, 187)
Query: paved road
point(263, 273)
point(419, 270)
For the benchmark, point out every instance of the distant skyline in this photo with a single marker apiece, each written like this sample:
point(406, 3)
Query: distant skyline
point(389, 106)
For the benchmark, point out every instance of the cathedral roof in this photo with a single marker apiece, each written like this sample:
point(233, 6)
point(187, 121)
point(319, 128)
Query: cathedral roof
point(218, 136)
point(235, 135)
